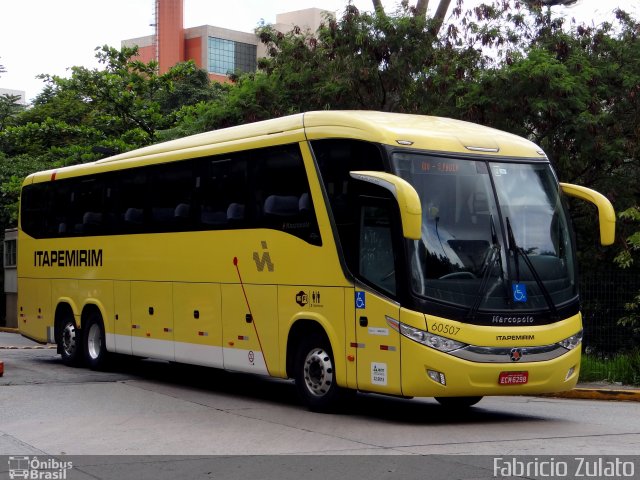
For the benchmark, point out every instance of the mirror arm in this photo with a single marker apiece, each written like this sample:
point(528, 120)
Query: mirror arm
point(406, 196)
point(606, 213)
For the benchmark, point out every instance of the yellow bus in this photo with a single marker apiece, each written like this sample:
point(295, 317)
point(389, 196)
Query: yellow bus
point(398, 254)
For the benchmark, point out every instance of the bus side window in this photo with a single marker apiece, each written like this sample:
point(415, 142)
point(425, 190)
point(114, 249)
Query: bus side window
point(222, 193)
point(377, 261)
point(86, 206)
point(131, 195)
point(171, 186)
point(35, 217)
point(282, 193)
point(335, 159)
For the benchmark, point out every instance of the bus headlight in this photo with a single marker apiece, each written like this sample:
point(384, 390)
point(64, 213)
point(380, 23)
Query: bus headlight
point(425, 338)
point(572, 342)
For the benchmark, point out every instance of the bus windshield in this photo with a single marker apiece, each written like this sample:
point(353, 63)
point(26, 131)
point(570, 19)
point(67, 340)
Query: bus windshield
point(495, 235)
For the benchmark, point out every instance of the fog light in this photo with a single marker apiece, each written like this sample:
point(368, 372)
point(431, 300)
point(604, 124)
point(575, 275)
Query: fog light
point(437, 377)
point(570, 373)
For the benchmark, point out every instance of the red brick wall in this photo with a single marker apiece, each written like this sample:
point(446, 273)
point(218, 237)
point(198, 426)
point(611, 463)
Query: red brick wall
point(170, 33)
point(193, 50)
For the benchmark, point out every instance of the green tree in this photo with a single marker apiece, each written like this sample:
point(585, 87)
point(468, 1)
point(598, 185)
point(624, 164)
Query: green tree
point(12, 173)
point(122, 93)
point(121, 105)
point(574, 90)
point(361, 61)
point(186, 84)
point(627, 259)
point(9, 108)
point(9, 105)
point(420, 10)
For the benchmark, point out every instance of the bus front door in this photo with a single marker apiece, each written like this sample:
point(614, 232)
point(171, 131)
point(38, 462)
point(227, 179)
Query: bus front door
point(378, 345)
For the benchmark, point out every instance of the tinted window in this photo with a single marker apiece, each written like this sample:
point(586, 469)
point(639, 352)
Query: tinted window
point(264, 188)
point(377, 262)
point(335, 159)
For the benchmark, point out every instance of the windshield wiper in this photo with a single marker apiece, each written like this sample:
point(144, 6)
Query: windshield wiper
point(519, 251)
point(489, 263)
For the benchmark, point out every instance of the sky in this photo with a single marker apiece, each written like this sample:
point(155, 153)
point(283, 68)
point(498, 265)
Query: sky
point(44, 36)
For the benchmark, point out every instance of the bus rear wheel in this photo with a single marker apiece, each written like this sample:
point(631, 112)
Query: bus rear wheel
point(315, 374)
point(69, 342)
point(458, 402)
point(95, 349)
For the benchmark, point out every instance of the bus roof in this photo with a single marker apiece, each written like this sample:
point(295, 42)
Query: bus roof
point(435, 134)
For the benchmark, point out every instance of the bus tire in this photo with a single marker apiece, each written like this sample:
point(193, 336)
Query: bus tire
point(315, 374)
point(70, 342)
point(95, 349)
point(458, 402)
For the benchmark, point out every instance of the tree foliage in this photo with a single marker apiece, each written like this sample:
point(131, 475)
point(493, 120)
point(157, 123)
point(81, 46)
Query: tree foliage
point(9, 108)
point(628, 258)
point(92, 114)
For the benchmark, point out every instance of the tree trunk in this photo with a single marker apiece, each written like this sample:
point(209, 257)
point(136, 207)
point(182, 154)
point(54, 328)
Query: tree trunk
point(377, 6)
point(421, 7)
point(441, 12)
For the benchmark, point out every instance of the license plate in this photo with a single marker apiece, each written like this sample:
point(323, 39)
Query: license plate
point(513, 378)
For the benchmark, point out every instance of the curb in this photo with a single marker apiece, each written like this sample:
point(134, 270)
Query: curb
point(47, 346)
point(621, 395)
point(28, 347)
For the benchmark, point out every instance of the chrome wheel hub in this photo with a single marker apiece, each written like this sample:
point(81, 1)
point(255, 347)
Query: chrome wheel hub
point(318, 372)
point(69, 339)
point(94, 341)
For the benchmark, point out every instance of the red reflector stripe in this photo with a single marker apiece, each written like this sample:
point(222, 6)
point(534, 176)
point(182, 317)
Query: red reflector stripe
point(389, 348)
point(203, 334)
point(243, 337)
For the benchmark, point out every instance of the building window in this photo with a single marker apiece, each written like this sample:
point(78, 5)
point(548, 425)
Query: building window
point(227, 56)
point(10, 253)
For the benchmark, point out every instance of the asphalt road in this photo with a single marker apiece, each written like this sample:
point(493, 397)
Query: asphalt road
point(144, 407)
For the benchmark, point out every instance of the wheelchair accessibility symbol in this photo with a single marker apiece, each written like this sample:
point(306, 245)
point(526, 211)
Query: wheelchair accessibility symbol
point(519, 292)
point(360, 300)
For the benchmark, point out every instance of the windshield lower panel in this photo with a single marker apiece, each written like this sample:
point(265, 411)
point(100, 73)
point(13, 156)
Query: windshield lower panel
point(495, 237)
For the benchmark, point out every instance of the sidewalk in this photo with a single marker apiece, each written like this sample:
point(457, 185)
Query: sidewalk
point(601, 391)
point(10, 339)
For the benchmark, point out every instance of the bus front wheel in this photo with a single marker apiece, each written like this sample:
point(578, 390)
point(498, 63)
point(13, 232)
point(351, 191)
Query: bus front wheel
point(95, 350)
point(315, 374)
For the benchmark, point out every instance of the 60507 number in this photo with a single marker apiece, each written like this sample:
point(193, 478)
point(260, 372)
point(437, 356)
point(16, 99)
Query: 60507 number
point(446, 329)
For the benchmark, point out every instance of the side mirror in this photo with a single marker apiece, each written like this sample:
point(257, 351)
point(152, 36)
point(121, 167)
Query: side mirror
point(606, 214)
point(405, 195)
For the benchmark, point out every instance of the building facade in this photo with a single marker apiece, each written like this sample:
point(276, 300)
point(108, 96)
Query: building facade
point(10, 278)
point(219, 51)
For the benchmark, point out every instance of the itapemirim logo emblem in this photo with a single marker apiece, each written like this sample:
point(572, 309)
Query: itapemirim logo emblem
point(263, 260)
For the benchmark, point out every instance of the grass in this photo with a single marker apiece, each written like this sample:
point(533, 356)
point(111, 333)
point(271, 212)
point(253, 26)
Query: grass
point(621, 368)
